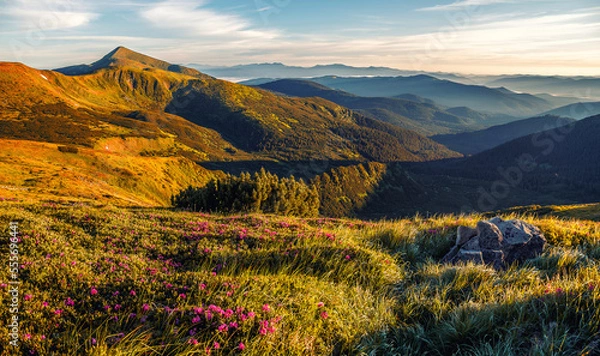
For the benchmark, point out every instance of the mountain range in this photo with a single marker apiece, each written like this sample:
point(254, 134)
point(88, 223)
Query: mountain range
point(444, 92)
point(407, 111)
point(281, 71)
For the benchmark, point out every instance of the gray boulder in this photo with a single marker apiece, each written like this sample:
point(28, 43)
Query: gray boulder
point(497, 243)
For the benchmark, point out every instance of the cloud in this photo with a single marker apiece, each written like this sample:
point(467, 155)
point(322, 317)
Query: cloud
point(194, 18)
point(464, 3)
point(47, 15)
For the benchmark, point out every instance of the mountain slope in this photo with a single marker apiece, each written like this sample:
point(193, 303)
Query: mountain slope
point(426, 118)
point(577, 111)
point(444, 92)
point(130, 94)
point(564, 162)
point(469, 143)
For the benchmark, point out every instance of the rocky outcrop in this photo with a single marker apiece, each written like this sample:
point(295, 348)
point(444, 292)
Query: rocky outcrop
point(497, 243)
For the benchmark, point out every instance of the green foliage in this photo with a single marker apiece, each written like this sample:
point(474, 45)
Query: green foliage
point(345, 190)
point(262, 192)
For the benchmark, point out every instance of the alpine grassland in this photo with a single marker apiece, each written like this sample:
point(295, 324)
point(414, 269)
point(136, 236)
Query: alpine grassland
point(104, 280)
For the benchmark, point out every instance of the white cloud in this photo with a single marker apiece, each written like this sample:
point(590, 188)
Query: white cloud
point(47, 15)
point(465, 3)
point(194, 18)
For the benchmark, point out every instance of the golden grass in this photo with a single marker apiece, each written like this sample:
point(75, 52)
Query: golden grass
point(33, 171)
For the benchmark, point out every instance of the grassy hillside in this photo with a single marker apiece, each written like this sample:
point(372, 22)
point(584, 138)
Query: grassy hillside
point(111, 172)
point(103, 281)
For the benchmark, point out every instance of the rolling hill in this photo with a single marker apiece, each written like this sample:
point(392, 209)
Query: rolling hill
point(413, 113)
point(444, 92)
point(470, 143)
point(577, 111)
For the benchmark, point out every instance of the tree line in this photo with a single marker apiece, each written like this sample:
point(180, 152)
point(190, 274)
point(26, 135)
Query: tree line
point(340, 192)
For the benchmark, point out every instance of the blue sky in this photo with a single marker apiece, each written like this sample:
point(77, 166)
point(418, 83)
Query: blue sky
point(464, 36)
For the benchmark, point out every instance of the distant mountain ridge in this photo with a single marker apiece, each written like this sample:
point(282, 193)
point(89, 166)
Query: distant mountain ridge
point(281, 71)
point(444, 92)
point(580, 87)
point(577, 111)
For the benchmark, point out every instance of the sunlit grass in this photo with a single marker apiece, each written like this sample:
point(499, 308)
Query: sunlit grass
point(156, 282)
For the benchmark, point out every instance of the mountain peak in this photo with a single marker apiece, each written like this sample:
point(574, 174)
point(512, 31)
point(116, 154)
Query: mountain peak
point(125, 57)
point(122, 56)
point(121, 52)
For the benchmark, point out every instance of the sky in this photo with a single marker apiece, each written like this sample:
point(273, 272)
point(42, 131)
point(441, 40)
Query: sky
point(460, 36)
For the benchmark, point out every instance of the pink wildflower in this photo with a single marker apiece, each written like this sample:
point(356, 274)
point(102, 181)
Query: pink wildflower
point(69, 302)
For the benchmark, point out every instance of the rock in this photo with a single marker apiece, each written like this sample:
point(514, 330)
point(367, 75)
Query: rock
point(464, 234)
point(490, 236)
point(470, 255)
point(497, 243)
